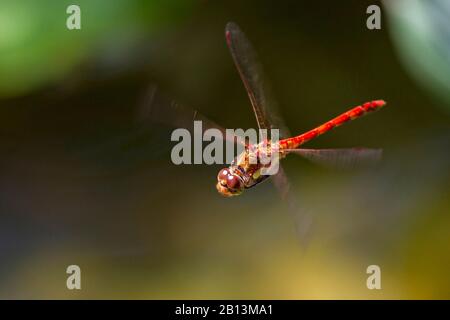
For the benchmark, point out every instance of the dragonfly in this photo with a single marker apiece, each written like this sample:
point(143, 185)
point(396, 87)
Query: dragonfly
point(243, 174)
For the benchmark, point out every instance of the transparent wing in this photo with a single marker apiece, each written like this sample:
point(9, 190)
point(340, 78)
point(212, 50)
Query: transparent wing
point(250, 71)
point(302, 218)
point(341, 158)
point(156, 107)
point(266, 112)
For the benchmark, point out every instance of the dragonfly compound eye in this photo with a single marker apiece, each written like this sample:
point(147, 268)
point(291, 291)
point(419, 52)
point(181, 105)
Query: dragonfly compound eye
point(223, 174)
point(233, 182)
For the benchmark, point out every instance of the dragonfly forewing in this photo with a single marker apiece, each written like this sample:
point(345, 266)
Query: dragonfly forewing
point(156, 107)
point(267, 115)
point(252, 75)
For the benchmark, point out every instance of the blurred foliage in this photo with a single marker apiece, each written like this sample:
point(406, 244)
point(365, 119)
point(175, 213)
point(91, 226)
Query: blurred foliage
point(421, 31)
point(37, 49)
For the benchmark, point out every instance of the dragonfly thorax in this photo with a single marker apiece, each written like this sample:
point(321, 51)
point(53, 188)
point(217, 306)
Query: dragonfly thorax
point(245, 170)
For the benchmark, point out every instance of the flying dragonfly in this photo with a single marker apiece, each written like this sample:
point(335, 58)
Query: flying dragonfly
point(242, 173)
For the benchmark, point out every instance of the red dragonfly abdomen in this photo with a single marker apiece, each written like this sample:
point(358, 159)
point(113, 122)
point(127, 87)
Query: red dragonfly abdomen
point(356, 112)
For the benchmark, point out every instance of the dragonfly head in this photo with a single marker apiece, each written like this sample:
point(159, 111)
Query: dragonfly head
point(228, 183)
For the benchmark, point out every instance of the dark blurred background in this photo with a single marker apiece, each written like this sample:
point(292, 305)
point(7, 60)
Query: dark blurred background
point(85, 180)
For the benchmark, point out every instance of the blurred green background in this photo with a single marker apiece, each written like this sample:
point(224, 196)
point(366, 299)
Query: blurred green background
point(84, 180)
